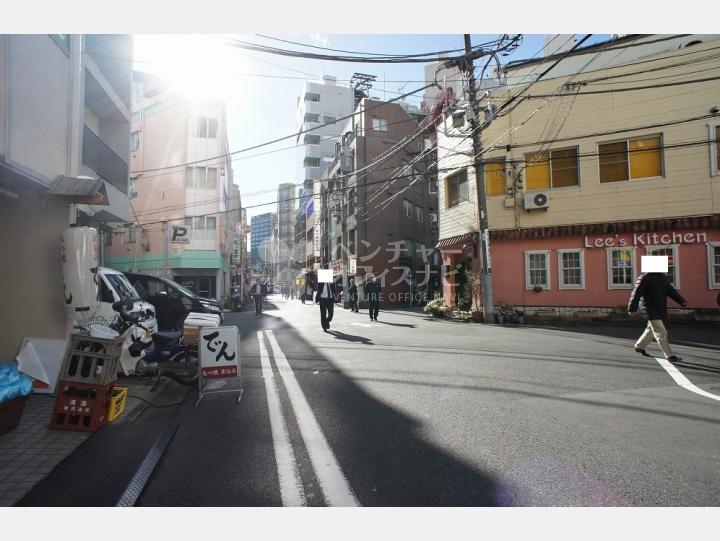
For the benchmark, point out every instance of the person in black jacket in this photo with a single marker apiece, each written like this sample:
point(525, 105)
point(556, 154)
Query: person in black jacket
point(374, 292)
point(654, 288)
point(353, 296)
point(325, 296)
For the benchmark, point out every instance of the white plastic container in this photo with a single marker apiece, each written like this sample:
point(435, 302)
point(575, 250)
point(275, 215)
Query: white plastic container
point(78, 246)
point(101, 331)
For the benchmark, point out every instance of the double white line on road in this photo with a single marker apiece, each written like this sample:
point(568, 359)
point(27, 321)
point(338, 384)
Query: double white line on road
point(332, 481)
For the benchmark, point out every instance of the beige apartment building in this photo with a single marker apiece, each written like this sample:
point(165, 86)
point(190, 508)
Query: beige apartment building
point(64, 132)
point(183, 216)
point(612, 156)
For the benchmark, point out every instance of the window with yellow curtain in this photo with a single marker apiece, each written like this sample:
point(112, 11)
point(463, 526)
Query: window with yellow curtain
point(537, 171)
point(494, 178)
point(632, 159)
point(564, 167)
point(645, 157)
point(554, 169)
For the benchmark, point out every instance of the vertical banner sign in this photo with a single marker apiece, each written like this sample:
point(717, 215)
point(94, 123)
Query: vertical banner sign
point(352, 266)
point(219, 352)
point(317, 242)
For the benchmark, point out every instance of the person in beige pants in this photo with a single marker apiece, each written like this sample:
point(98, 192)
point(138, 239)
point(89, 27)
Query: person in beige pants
point(654, 288)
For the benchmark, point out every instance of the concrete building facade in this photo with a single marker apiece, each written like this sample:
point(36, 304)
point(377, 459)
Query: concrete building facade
point(64, 113)
point(611, 168)
point(378, 203)
point(320, 102)
point(179, 183)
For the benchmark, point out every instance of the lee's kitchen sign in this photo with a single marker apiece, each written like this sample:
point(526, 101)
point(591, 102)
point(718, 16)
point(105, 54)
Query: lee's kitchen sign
point(644, 239)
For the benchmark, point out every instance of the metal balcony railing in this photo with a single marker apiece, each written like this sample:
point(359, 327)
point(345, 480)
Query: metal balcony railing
point(102, 159)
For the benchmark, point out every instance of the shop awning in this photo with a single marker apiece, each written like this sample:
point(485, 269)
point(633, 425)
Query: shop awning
point(458, 239)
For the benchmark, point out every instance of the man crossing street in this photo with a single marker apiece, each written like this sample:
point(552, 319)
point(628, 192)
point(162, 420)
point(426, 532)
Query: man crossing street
point(374, 293)
point(325, 296)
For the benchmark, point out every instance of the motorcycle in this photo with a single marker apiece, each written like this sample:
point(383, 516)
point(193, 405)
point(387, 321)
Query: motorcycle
point(153, 353)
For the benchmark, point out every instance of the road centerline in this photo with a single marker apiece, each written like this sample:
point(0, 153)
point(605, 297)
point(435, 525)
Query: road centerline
point(333, 482)
point(291, 490)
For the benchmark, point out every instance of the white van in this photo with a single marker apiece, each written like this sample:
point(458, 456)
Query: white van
point(113, 286)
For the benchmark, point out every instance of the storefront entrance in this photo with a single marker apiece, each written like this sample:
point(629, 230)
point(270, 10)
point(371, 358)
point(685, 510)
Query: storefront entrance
point(203, 286)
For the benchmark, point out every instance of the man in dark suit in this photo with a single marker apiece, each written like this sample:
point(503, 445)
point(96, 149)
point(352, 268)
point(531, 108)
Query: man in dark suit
point(353, 296)
point(373, 290)
point(325, 296)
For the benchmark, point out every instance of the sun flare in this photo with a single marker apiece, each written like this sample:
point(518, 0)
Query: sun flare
point(199, 67)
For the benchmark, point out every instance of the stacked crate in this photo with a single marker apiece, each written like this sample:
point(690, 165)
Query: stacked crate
point(87, 378)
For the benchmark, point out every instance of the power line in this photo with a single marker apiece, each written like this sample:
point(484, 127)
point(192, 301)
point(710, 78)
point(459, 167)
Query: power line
point(346, 117)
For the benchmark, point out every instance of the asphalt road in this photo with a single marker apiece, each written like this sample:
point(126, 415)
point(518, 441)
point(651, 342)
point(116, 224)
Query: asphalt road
point(409, 411)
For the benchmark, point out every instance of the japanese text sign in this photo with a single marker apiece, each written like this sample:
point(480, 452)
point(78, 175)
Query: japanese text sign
point(219, 352)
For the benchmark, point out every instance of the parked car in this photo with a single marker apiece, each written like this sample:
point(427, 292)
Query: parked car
point(171, 300)
point(113, 286)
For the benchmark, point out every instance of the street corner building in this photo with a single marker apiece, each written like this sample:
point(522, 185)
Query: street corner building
point(65, 116)
point(605, 168)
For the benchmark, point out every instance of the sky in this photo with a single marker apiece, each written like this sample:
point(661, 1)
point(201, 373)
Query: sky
point(261, 90)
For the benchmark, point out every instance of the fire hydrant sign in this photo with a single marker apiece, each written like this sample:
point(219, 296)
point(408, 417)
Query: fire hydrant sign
point(219, 352)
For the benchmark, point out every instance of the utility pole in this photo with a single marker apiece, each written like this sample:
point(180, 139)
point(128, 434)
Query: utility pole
point(166, 269)
point(483, 234)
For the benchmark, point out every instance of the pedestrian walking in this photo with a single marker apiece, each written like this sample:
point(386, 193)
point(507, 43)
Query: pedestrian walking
point(353, 296)
point(257, 293)
point(654, 288)
point(303, 293)
point(325, 296)
point(374, 292)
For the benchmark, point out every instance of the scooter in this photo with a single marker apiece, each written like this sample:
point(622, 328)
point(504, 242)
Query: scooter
point(164, 354)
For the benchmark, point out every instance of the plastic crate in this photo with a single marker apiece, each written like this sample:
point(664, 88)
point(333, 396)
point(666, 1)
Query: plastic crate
point(81, 406)
point(117, 403)
point(11, 413)
point(91, 360)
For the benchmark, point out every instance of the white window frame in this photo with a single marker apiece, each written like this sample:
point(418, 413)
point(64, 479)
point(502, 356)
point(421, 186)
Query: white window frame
point(676, 259)
point(135, 141)
point(714, 169)
point(548, 269)
point(419, 214)
point(712, 245)
point(608, 267)
point(380, 125)
point(407, 204)
point(561, 284)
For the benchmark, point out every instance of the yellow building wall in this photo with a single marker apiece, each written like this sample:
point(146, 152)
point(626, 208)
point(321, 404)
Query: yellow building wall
point(686, 188)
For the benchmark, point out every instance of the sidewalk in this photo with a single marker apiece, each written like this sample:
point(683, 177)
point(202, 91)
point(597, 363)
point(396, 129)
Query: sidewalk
point(31, 451)
point(702, 335)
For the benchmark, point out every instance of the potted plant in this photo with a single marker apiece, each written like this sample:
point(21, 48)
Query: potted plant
point(437, 307)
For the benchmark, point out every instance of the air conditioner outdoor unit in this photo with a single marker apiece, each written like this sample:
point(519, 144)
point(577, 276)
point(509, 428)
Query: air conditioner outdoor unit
point(432, 217)
point(536, 200)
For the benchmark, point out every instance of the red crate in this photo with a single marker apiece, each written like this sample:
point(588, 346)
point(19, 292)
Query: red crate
point(81, 406)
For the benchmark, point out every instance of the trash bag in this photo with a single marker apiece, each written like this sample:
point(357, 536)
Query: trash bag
point(9, 374)
point(12, 383)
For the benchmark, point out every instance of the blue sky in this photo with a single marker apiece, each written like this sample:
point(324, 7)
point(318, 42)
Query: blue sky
point(261, 89)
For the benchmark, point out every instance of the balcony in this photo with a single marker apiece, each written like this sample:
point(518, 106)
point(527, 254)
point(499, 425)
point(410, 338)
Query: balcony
point(100, 158)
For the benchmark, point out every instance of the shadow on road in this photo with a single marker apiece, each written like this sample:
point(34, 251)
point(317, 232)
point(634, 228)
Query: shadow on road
point(351, 337)
point(396, 324)
point(380, 449)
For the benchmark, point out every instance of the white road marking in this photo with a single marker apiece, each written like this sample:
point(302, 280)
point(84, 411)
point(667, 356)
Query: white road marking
point(291, 490)
point(681, 380)
point(332, 480)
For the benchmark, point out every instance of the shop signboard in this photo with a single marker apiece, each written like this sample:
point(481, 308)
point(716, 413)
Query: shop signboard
point(219, 352)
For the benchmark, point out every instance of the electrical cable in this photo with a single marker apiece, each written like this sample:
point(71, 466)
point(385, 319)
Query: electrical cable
point(346, 117)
